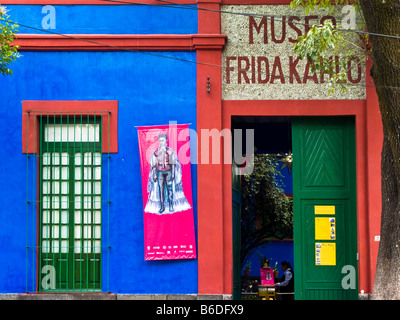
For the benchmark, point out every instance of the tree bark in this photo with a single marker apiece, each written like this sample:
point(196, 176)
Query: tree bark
point(383, 17)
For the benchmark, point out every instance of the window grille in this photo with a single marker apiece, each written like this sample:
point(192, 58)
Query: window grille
point(67, 210)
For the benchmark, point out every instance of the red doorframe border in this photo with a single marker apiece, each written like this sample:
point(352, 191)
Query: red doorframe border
point(355, 108)
point(369, 138)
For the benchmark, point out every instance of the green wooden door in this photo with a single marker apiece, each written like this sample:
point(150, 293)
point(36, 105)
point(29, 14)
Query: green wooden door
point(324, 208)
point(236, 232)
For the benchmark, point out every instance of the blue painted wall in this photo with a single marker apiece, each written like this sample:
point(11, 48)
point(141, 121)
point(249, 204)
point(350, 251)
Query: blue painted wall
point(151, 90)
point(278, 251)
point(119, 19)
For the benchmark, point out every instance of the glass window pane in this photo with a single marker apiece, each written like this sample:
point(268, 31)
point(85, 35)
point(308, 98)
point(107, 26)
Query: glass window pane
point(55, 187)
point(77, 248)
point(45, 231)
point(87, 188)
point(87, 217)
point(87, 202)
point(64, 173)
point(77, 234)
point(87, 158)
point(91, 132)
point(56, 232)
point(87, 173)
point(97, 173)
point(64, 187)
point(46, 187)
point(46, 216)
point(55, 159)
point(64, 159)
point(64, 202)
point(52, 132)
point(55, 173)
point(78, 187)
point(55, 246)
point(55, 217)
point(77, 202)
point(97, 187)
point(64, 216)
point(78, 171)
point(64, 232)
point(97, 159)
point(55, 202)
point(46, 159)
point(97, 217)
point(46, 173)
point(64, 246)
point(78, 159)
point(46, 202)
point(97, 202)
point(97, 248)
point(78, 217)
point(71, 132)
point(97, 232)
point(45, 246)
point(87, 247)
point(87, 231)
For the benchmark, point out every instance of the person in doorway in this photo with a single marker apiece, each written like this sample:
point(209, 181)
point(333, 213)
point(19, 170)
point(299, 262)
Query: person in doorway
point(286, 283)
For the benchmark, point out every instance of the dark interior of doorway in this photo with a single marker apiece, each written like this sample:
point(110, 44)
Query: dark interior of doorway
point(272, 135)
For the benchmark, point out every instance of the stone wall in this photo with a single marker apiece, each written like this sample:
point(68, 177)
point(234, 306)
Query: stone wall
point(258, 62)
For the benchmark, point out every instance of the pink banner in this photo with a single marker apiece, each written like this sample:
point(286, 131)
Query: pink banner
point(267, 276)
point(167, 192)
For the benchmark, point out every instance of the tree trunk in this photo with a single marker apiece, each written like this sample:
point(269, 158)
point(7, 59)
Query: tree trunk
point(383, 17)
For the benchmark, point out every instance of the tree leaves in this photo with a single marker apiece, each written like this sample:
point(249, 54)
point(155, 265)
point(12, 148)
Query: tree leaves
point(266, 210)
point(323, 43)
point(8, 52)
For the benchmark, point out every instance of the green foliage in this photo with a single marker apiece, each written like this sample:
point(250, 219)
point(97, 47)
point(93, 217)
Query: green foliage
point(8, 52)
point(311, 5)
point(264, 260)
point(248, 265)
point(266, 210)
point(324, 42)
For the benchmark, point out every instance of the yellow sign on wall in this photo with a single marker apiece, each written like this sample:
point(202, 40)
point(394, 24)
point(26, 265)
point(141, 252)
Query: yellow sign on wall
point(325, 254)
point(324, 210)
point(325, 228)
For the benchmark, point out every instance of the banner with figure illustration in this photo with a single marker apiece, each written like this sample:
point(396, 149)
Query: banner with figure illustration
point(167, 192)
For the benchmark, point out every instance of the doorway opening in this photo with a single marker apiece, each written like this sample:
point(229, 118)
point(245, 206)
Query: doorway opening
point(321, 235)
point(264, 203)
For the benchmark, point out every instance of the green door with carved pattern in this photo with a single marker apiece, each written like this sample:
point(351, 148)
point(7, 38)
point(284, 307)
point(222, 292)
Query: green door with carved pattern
point(324, 208)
